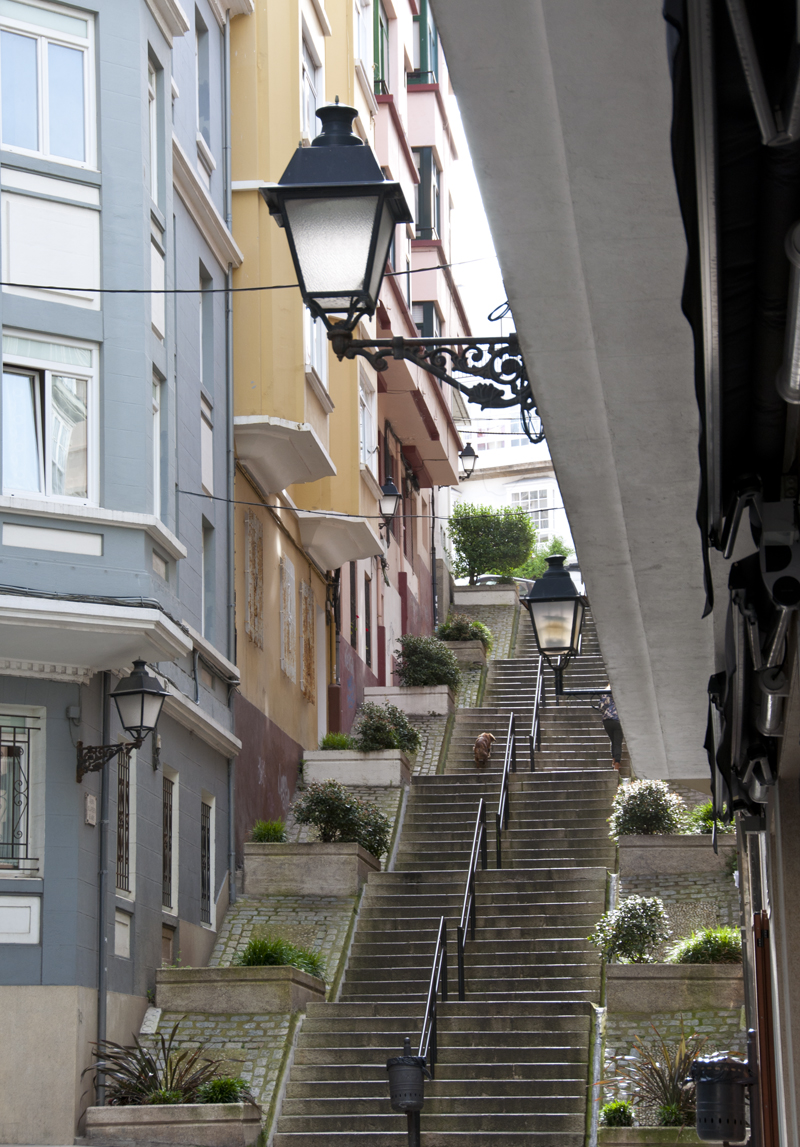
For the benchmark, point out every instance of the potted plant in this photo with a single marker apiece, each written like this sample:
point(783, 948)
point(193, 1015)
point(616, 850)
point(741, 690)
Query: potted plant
point(657, 835)
point(428, 673)
point(167, 1094)
point(468, 640)
point(377, 754)
point(353, 835)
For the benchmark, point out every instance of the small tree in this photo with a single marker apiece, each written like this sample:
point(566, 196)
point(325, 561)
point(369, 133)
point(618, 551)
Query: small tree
point(490, 541)
point(536, 565)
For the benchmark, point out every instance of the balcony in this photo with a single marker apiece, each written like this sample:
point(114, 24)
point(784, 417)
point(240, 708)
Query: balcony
point(332, 539)
point(279, 453)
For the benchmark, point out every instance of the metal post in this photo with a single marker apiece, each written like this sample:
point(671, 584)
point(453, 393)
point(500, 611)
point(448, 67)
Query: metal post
point(484, 856)
point(498, 843)
point(412, 1119)
point(462, 995)
point(513, 743)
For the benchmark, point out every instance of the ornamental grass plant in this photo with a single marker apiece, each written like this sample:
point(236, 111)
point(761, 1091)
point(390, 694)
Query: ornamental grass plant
point(266, 951)
point(136, 1075)
point(339, 816)
point(339, 741)
point(657, 1076)
point(268, 832)
point(426, 661)
point(722, 945)
point(632, 933)
point(225, 1089)
point(646, 808)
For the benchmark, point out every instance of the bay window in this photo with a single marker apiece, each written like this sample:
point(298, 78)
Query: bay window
point(47, 89)
point(367, 426)
point(48, 419)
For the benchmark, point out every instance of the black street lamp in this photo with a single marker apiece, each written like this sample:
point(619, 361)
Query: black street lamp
point(469, 460)
point(139, 699)
point(389, 501)
point(556, 610)
point(339, 214)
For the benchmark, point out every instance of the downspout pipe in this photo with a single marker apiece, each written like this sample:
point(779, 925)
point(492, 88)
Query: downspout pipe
point(102, 893)
point(230, 458)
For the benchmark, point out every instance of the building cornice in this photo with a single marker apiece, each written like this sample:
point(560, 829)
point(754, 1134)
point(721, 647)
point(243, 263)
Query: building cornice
point(201, 207)
point(197, 721)
point(543, 469)
point(170, 17)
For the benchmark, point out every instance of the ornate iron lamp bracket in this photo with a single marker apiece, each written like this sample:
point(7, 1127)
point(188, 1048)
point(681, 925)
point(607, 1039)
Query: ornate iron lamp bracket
point(498, 362)
point(92, 758)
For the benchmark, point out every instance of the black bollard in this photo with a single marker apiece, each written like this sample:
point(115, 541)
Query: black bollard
point(407, 1088)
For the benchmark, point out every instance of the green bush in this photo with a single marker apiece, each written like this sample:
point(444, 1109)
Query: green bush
point(671, 1115)
point(536, 565)
point(340, 741)
point(337, 815)
point(165, 1095)
point(136, 1075)
point(383, 727)
point(459, 627)
point(721, 945)
point(646, 808)
point(225, 1089)
point(633, 932)
point(426, 661)
point(617, 1113)
point(268, 832)
point(701, 819)
point(486, 540)
point(274, 951)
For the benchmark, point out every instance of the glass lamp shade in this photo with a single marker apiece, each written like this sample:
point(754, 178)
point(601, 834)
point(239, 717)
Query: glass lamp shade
point(468, 460)
point(390, 499)
point(556, 610)
point(139, 699)
point(339, 214)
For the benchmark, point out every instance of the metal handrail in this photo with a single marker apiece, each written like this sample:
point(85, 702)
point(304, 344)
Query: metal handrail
point(429, 1039)
point(509, 765)
point(535, 738)
point(468, 909)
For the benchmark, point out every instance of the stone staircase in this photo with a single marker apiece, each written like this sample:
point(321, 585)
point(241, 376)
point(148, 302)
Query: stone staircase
point(513, 1057)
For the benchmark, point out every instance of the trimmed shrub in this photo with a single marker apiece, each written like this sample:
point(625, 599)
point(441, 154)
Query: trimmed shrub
point(617, 1113)
point(459, 627)
point(268, 832)
point(633, 932)
point(383, 727)
point(274, 951)
point(721, 945)
point(701, 819)
point(340, 741)
point(225, 1089)
point(486, 540)
point(426, 661)
point(338, 815)
point(646, 808)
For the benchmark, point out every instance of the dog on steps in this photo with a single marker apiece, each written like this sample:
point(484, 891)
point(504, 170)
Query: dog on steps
point(483, 749)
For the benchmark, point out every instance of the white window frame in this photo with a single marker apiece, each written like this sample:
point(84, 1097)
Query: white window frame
point(44, 36)
point(363, 40)
point(311, 82)
point(367, 424)
point(49, 367)
point(153, 110)
point(133, 788)
point(540, 514)
point(207, 799)
point(315, 347)
point(206, 446)
point(33, 717)
point(171, 775)
point(157, 403)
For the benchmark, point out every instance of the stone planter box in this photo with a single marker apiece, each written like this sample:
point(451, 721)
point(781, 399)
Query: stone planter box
point(232, 991)
point(415, 700)
point(672, 855)
point(388, 768)
point(306, 869)
point(187, 1124)
point(673, 987)
point(469, 653)
point(646, 1136)
point(485, 595)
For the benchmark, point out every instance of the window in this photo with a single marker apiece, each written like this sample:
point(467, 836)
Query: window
point(315, 339)
point(206, 447)
point(535, 502)
point(426, 48)
point(367, 425)
point(157, 445)
point(364, 33)
point(207, 589)
point(158, 300)
point(254, 579)
point(310, 88)
point(205, 320)
point(383, 80)
point(168, 811)
point(49, 419)
point(353, 606)
point(46, 60)
point(428, 195)
point(288, 619)
point(408, 281)
point(202, 75)
point(15, 754)
point(426, 319)
point(124, 821)
point(368, 620)
point(154, 85)
point(206, 859)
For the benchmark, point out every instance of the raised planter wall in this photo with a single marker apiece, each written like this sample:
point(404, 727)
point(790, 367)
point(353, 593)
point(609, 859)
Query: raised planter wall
point(673, 987)
point(485, 595)
point(415, 700)
point(387, 768)
point(646, 1136)
point(672, 855)
point(188, 1124)
point(234, 990)
point(467, 652)
point(306, 869)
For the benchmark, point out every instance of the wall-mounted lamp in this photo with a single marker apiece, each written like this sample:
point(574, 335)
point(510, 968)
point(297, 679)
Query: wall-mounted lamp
point(389, 501)
point(469, 460)
point(139, 699)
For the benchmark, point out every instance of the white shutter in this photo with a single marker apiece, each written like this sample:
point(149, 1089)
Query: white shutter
point(288, 620)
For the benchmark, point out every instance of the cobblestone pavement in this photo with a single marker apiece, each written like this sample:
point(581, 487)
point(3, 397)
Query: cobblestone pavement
point(500, 620)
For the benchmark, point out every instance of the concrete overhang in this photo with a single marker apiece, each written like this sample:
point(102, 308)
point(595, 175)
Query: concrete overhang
point(332, 540)
point(279, 453)
point(417, 414)
point(68, 640)
point(567, 110)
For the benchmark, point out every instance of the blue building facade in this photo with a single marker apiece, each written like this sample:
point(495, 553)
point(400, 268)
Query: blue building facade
point(115, 523)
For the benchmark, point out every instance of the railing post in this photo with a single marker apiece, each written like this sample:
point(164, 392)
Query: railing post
point(444, 967)
point(513, 724)
point(497, 839)
point(460, 955)
point(412, 1122)
point(484, 850)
